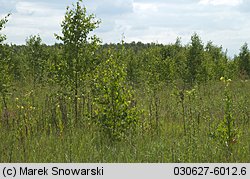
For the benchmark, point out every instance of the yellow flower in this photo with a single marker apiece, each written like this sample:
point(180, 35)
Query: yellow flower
point(32, 107)
point(222, 78)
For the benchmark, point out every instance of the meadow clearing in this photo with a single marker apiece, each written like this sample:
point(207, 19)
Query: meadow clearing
point(83, 101)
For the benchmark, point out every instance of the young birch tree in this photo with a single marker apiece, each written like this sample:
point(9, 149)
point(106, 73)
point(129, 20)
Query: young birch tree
point(78, 47)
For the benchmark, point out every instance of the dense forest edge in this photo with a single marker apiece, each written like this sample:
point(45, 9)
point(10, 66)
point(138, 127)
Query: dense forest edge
point(83, 101)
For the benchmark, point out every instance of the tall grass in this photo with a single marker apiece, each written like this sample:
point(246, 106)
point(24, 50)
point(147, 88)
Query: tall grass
point(40, 127)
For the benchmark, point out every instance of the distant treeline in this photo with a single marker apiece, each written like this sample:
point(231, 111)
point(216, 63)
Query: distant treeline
point(192, 63)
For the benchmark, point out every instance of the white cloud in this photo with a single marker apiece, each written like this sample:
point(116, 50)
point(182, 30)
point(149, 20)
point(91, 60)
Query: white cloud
point(110, 7)
point(31, 18)
point(226, 22)
point(221, 2)
point(36, 9)
point(145, 7)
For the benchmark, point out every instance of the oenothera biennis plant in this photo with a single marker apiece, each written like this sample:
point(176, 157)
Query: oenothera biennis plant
point(227, 131)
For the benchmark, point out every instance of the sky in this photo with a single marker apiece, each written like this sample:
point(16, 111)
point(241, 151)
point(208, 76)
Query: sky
point(224, 22)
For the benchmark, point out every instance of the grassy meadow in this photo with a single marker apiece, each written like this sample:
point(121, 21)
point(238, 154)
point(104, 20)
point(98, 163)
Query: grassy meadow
point(83, 101)
point(35, 132)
